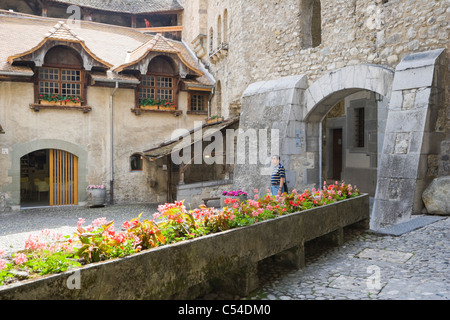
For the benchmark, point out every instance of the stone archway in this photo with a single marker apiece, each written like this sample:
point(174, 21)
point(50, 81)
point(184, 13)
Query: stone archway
point(410, 139)
point(326, 92)
point(412, 135)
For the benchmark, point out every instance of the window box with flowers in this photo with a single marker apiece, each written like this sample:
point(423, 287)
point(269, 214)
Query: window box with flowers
point(56, 99)
point(96, 195)
point(156, 104)
point(213, 119)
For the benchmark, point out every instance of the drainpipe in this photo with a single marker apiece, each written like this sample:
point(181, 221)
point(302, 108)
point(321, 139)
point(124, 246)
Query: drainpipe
point(111, 107)
point(209, 101)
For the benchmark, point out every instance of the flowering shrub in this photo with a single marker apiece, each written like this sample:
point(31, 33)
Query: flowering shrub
point(101, 241)
point(146, 234)
point(41, 256)
point(92, 186)
point(172, 223)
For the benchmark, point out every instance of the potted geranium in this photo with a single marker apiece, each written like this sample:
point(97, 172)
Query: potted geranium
point(234, 194)
point(96, 195)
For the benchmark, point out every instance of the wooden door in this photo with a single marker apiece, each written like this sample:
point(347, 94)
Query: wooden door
point(63, 178)
point(337, 154)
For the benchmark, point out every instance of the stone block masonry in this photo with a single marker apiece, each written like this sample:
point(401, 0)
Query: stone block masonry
point(410, 138)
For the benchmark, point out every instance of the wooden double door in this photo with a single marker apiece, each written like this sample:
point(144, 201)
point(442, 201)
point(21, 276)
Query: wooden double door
point(63, 178)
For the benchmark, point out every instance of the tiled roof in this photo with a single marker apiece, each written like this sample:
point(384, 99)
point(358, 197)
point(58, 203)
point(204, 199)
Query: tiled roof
point(21, 35)
point(160, 44)
point(127, 6)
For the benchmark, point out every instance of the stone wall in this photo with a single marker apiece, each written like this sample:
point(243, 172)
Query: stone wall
point(265, 38)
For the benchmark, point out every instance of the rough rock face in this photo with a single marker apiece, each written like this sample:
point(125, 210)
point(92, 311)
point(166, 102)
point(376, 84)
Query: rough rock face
point(437, 196)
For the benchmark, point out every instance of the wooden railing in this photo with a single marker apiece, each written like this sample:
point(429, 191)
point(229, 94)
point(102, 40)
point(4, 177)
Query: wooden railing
point(172, 32)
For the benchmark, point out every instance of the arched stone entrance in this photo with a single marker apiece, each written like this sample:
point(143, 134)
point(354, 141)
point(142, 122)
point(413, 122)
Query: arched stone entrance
point(347, 147)
point(331, 89)
point(412, 136)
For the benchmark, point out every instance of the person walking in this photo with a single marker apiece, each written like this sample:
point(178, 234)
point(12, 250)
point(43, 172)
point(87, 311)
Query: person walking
point(278, 177)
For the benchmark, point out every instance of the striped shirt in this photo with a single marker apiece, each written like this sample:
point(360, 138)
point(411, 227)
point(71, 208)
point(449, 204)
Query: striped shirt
point(277, 174)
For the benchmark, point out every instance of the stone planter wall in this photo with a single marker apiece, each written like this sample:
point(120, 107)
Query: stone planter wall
point(226, 260)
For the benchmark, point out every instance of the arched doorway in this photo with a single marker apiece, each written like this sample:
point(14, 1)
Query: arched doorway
point(48, 177)
point(352, 137)
point(347, 108)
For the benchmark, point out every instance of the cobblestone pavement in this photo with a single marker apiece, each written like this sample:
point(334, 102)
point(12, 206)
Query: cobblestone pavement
point(414, 265)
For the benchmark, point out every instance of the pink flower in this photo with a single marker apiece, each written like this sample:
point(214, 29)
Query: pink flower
point(20, 258)
point(255, 191)
point(57, 236)
point(3, 264)
point(46, 232)
point(99, 222)
point(2, 252)
point(80, 222)
point(256, 197)
point(156, 215)
point(34, 243)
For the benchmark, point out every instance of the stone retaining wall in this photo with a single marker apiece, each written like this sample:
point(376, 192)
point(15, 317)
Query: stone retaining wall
point(226, 260)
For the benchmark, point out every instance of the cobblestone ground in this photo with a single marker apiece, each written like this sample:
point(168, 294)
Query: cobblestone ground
point(413, 266)
point(369, 266)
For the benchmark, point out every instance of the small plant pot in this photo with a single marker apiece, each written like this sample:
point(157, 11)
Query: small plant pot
point(96, 197)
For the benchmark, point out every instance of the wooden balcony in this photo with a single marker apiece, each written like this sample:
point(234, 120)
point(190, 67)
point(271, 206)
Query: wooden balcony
point(171, 32)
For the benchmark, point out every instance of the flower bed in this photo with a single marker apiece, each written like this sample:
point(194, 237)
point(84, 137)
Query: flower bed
point(156, 263)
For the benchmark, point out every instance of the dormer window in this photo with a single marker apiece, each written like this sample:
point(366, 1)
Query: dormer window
point(61, 78)
point(157, 88)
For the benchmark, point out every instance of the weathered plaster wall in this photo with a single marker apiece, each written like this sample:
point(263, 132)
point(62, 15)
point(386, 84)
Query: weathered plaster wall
point(90, 134)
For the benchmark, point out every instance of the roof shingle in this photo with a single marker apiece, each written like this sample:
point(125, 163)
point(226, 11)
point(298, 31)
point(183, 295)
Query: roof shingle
point(127, 6)
point(22, 34)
